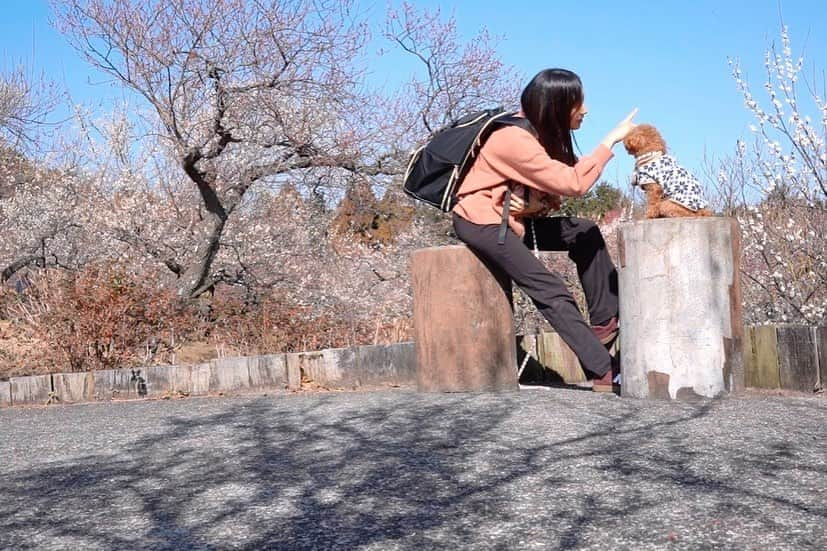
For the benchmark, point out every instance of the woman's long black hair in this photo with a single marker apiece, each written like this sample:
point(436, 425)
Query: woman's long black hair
point(548, 101)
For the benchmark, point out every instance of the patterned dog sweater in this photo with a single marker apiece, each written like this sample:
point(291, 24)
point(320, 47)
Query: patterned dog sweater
point(678, 184)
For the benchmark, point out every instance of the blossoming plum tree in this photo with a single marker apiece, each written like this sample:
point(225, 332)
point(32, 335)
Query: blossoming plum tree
point(781, 180)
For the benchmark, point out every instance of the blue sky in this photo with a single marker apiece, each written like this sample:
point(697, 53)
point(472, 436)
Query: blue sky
point(667, 58)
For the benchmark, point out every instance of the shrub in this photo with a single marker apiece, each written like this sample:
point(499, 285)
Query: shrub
point(279, 323)
point(98, 318)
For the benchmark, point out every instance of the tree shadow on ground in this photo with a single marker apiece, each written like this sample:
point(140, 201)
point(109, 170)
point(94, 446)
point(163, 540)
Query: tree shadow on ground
point(408, 470)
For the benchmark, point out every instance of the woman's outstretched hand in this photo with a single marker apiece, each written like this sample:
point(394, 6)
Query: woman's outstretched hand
point(619, 132)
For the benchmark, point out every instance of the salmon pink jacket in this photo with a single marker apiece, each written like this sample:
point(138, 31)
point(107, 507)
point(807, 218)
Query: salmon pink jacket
point(513, 157)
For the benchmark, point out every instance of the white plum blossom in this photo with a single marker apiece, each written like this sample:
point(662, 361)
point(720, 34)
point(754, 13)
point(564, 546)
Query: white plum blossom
point(785, 177)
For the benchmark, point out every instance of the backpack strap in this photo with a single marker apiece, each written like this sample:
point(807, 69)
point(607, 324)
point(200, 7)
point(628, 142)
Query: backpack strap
point(504, 223)
point(522, 122)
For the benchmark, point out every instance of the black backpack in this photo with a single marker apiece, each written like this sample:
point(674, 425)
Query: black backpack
point(436, 170)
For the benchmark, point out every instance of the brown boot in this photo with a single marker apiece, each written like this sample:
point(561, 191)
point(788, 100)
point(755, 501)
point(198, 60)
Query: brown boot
point(608, 333)
point(604, 383)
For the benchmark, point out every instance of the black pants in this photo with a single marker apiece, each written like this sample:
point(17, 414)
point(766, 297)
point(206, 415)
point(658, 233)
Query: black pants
point(598, 276)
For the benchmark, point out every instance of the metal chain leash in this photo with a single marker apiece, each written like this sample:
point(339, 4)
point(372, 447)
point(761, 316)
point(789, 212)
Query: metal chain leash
point(537, 255)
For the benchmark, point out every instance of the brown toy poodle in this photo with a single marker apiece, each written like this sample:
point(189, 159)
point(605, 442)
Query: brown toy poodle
point(671, 190)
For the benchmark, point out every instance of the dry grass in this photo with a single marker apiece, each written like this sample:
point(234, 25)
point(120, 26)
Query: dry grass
point(103, 318)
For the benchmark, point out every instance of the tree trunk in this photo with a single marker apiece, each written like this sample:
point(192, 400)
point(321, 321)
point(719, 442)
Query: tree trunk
point(196, 278)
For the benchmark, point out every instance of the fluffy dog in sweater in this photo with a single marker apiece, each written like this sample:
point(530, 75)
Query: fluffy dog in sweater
point(671, 190)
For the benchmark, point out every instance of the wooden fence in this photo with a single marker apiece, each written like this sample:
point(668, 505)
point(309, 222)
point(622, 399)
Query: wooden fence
point(335, 368)
point(789, 357)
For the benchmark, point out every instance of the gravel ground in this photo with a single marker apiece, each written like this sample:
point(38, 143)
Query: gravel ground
point(535, 469)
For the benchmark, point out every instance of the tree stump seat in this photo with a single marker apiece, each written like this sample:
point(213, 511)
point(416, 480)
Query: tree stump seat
point(463, 322)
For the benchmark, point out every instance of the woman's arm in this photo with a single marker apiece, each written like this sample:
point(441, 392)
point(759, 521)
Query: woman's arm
point(518, 156)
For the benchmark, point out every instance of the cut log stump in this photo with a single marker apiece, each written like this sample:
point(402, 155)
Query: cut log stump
point(681, 328)
point(463, 322)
